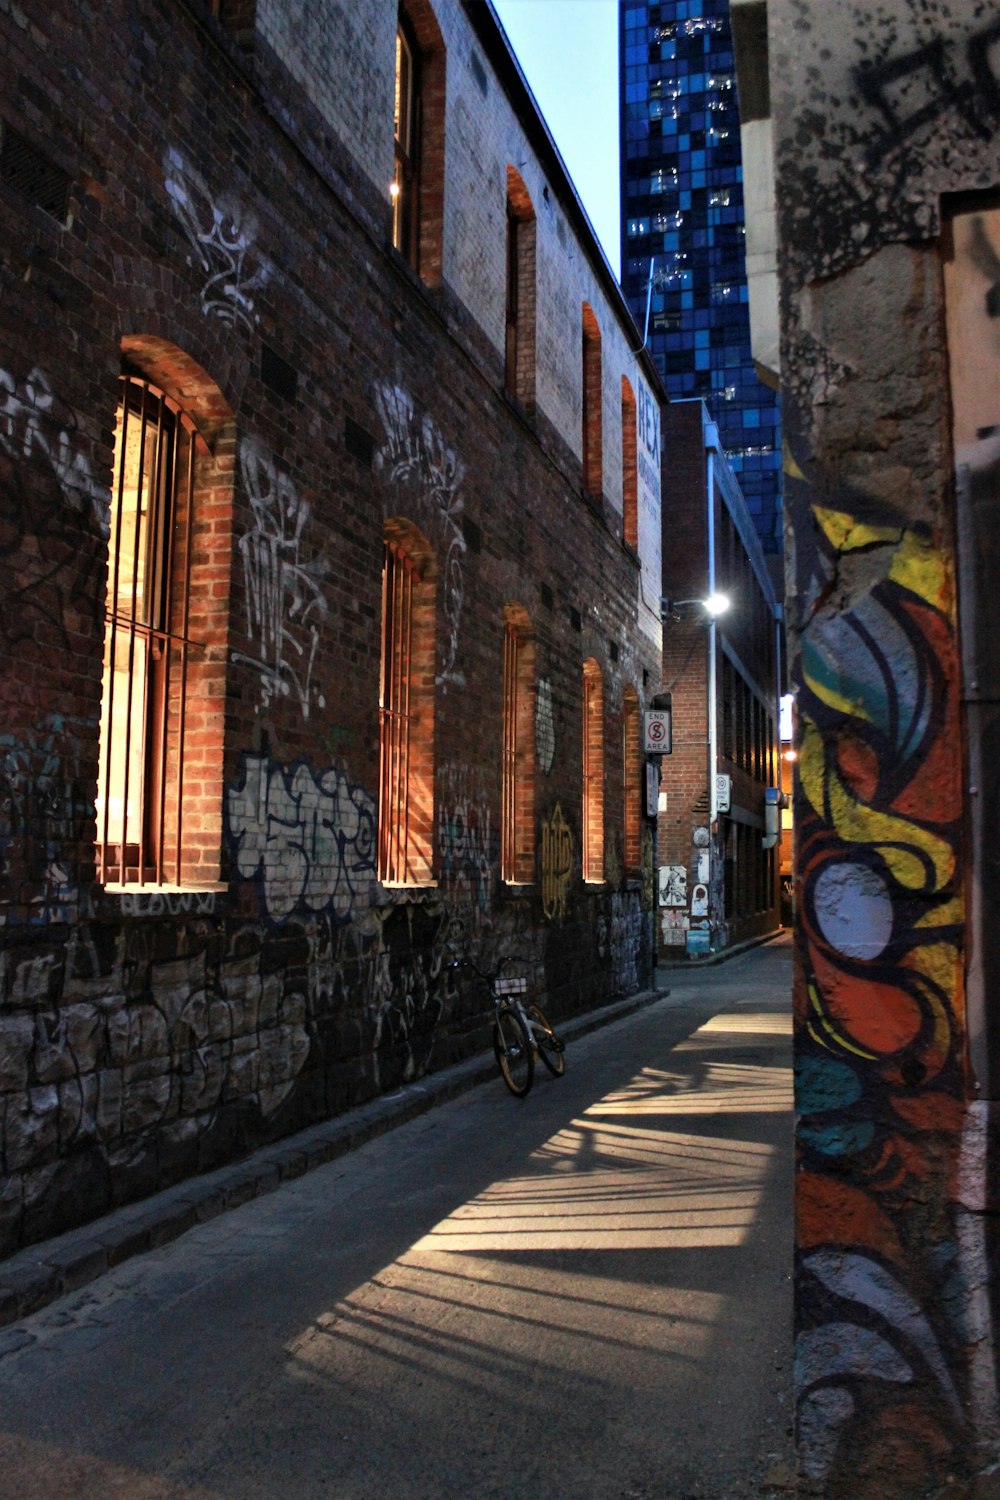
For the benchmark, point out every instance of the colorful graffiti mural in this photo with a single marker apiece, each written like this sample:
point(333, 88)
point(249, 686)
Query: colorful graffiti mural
point(880, 1082)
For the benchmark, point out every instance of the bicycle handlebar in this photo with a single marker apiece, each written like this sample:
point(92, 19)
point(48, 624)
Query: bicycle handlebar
point(486, 975)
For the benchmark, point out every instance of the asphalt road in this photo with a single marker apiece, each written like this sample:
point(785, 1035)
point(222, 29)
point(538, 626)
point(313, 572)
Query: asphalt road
point(584, 1295)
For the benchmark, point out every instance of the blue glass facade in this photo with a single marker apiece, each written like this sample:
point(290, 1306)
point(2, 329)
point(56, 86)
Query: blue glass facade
point(682, 210)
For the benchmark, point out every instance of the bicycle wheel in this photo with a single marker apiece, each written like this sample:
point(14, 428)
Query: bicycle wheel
point(550, 1048)
point(514, 1054)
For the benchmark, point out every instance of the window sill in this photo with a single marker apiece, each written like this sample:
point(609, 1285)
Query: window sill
point(162, 900)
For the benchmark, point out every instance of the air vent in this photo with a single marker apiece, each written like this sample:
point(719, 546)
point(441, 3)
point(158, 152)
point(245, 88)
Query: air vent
point(613, 650)
point(473, 535)
point(479, 73)
point(574, 618)
point(359, 443)
point(277, 374)
point(25, 169)
point(548, 598)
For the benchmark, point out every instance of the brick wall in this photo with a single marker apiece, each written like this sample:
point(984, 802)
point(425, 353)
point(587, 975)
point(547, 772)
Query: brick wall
point(222, 237)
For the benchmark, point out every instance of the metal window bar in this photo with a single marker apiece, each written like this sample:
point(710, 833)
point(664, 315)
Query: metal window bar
point(139, 855)
point(508, 817)
point(395, 715)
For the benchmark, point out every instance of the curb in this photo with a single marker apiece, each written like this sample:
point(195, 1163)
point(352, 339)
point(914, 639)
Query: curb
point(38, 1275)
point(706, 960)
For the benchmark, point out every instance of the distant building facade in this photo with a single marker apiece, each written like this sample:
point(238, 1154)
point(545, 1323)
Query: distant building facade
point(719, 844)
point(329, 579)
point(683, 251)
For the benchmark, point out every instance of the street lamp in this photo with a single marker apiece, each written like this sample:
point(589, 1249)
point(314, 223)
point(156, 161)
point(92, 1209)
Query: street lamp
point(714, 605)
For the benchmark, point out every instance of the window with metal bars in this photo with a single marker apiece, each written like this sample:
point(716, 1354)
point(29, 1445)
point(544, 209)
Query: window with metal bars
point(147, 648)
point(593, 460)
point(406, 180)
point(517, 820)
point(593, 772)
point(406, 714)
point(632, 782)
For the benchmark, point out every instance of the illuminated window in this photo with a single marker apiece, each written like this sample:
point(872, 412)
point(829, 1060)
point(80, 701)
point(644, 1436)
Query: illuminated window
point(406, 182)
point(159, 804)
point(593, 772)
point(632, 782)
point(406, 710)
point(519, 349)
point(417, 188)
point(593, 458)
point(630, 479)
point(517, 853)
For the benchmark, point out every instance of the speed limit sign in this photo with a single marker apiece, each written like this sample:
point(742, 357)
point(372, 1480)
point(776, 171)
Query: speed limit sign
point(657, 739)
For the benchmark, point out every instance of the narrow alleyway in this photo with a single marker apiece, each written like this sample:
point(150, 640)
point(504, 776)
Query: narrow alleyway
point(580, 1296)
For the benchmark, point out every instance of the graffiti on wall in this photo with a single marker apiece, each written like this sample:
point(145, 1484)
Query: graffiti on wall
point(627, 927)
point(223, 236)
point(557, 865)
point(45, 475)
point(469, 839)
point(45, 815)
point(879, 1056)
point(85, 1075)
point(309, 838)
point(285, 599)
point(415, 454)
point(913, 90)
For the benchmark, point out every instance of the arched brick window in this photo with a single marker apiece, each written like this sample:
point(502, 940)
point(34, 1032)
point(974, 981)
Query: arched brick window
point(593, 772)
point(593, 457)
point(630, 474)
point(406, 709)
point(417, 188)
point(519, 347)
point(159, 795)
point(517, 853)
point(632, 781)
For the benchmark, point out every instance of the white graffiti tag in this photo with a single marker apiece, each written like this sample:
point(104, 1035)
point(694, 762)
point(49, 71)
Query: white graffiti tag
point(416, 453)
point(285, 600)
point(312, 840)
point(34, 424)
point(222, 235)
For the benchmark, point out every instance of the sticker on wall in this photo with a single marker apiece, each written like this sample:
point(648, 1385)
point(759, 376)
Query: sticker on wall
point(699, 901)
point(673, 885)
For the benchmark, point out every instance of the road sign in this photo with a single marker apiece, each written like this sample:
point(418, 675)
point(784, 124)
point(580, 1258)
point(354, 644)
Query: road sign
point(657, 737)
point(723, 788)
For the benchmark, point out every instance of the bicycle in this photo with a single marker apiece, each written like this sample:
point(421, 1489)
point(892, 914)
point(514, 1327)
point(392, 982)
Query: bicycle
point(520, 1031)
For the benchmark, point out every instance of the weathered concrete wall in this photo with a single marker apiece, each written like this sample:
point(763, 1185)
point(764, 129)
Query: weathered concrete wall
point(879, 109)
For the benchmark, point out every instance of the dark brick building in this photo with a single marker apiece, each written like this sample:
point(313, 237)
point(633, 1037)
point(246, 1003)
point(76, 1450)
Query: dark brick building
point(330, 552)
point(719, 863)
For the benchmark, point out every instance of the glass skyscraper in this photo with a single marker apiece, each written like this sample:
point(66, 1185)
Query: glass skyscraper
point(683, 256)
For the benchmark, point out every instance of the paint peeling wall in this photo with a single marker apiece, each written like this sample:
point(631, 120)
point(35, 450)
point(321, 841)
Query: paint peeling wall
point(878, 111)
point(150, 1033)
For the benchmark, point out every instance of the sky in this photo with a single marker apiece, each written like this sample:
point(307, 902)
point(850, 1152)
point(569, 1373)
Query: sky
point(568, 51)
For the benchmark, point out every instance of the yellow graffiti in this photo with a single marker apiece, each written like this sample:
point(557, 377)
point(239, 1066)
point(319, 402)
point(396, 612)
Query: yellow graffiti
point(848, 534)
point(858, 824)
point(557, 865)
point(831, 1030)
point(919, 564)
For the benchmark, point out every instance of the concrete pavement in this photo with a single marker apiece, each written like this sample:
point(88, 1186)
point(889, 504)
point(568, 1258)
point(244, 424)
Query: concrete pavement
point(583, 1294)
